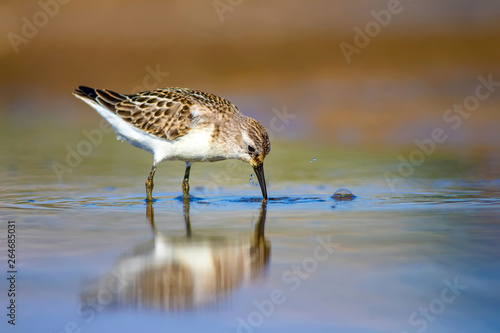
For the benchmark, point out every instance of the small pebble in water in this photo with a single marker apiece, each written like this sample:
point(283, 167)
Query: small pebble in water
point(343, 195)
point(313, 160)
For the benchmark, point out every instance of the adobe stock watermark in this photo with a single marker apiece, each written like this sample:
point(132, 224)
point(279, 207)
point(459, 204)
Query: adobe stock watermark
point(453, 119)
point(292, 278)
point(223, 6)
point(277, 124)
point(150, 81)
point(30, 27)
point(362, 37)
point(420, 320)
point(94, 137)
point(89, 307)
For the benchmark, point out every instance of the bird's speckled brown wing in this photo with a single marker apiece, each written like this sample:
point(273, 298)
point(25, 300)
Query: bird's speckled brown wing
point(166, 113)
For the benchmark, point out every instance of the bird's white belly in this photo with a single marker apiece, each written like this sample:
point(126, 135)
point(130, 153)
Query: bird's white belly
point(196, 146)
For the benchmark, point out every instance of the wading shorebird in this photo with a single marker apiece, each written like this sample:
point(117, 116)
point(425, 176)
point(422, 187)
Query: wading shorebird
point(178, 124)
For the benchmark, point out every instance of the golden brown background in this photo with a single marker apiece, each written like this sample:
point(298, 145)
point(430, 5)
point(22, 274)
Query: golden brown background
point(263, 55)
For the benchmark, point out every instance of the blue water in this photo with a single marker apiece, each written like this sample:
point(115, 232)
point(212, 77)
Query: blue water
point(383, 262)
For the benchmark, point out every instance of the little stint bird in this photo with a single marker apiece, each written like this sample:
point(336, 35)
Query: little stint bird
point(178, 124)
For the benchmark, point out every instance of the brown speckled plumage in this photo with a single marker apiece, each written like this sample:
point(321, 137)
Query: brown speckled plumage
point(167, 113)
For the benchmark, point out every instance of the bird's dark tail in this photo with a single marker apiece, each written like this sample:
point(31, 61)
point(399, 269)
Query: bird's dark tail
point(104, 97)
point(86, 92)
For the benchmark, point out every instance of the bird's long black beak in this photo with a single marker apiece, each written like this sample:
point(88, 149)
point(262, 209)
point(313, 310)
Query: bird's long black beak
point(259, 171)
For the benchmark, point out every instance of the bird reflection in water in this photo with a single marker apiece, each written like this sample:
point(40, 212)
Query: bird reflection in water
point(172, 273)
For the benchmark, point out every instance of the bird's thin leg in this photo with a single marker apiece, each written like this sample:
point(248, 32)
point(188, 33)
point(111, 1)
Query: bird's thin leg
point(150, 184)
point(150, 215)
point(187, 218)
point(185, 183)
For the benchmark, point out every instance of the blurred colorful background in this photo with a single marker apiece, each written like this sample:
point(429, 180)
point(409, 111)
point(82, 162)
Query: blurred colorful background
point(421, 60)
point(395, 100)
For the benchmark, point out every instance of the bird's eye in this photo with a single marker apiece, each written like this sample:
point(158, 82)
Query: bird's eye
point(251, 149)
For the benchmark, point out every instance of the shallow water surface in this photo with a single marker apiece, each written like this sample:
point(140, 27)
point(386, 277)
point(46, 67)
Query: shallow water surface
point(92, 255)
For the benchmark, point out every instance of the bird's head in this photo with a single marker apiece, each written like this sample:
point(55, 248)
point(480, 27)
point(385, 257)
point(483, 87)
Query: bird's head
point(254, 147)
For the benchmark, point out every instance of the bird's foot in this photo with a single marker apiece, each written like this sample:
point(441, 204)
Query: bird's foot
point(185, 188)
point(149, 190)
